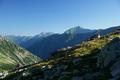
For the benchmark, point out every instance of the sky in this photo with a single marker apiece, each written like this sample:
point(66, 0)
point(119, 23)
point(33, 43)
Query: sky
point(31, 17)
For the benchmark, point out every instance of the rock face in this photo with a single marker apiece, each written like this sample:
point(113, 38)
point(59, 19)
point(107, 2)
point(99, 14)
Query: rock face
point(115, 69)
point(109, 53)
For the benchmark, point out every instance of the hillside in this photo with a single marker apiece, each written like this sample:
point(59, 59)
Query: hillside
point(97, 56)
point(48, 44)
point(12, 55)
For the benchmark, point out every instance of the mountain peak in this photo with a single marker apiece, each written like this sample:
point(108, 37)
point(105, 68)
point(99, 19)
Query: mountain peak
point(77, 30)
point(78, 27)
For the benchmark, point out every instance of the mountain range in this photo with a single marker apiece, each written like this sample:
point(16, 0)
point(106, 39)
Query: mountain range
point(44, 44)
point(97, 58)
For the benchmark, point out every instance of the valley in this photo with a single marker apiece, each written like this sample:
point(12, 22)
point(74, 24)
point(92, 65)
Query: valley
point(93, 59)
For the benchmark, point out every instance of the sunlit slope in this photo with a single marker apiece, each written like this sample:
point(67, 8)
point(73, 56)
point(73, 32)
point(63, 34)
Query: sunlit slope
point(12, 54)
point(86, 47)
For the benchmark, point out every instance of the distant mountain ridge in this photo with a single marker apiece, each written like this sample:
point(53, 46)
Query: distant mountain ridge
point(26, 41)
point(35, 38)
point(45, 46)
point(95, 59)
point(18, 39)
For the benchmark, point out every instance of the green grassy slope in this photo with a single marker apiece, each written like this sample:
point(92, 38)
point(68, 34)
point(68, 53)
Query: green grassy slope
point(12, 54)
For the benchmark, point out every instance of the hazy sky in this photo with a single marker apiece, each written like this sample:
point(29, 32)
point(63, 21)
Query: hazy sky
point(30, 17)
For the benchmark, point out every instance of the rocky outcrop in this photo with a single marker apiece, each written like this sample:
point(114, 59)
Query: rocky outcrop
point(109, 53)
point(115, 70)
point(109, 58)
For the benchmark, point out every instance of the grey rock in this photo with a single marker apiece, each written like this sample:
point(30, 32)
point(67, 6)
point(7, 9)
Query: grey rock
point(77, 78)
point(115, 69)
point(109, 53)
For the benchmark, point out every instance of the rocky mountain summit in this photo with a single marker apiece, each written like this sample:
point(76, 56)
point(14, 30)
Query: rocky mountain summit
point(95, 59)
point(78, 30)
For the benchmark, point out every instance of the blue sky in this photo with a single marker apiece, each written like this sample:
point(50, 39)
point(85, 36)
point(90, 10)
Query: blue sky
point(30, 17)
